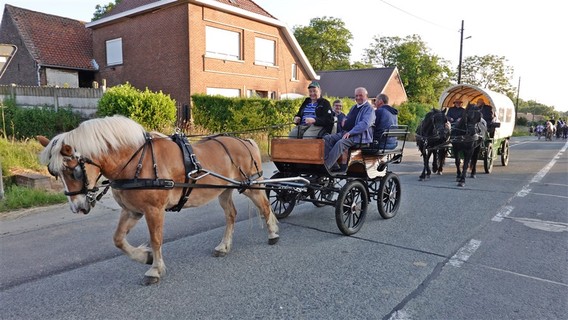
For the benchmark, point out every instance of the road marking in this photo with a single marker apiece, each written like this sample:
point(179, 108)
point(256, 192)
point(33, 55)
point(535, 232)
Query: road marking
point(525, 190)
point(400, 315)
point(464, 253)
point(503, 213)
point(551, 226)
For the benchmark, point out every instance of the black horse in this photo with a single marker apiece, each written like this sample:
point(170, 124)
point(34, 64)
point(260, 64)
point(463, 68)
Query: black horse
point(467, 137)
point(432, 136)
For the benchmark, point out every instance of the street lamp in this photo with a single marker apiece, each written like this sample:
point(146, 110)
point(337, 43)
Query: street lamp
point(461, 51)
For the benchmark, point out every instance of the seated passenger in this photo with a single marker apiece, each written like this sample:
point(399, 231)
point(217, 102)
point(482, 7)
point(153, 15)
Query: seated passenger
point(486, 111)
point(357, 128)
point(385, 117)
point(339, 115)
point(315, 117)
point(455, 113)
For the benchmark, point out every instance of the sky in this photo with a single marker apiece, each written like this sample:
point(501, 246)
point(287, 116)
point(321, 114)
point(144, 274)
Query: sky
point(530, 35)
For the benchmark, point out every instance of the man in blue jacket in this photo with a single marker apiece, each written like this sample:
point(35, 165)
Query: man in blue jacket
point(386, 116)
point(357, 128)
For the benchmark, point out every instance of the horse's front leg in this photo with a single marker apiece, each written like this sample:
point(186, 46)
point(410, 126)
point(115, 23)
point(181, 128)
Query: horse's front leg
point(441, 157)
point(425, 175)
point(474, 158)
point(466, 161)
point(155, 221)
point(226, 202)
point(458, 166)
point(126, 222)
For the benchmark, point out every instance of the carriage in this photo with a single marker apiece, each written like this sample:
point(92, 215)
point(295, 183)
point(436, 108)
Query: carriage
point(366, 179)
point(151, 173)
point(496, 144)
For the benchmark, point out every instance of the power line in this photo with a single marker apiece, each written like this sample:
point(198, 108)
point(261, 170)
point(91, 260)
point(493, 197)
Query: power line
point(415, 16)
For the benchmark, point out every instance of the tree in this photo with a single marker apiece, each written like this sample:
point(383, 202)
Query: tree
point(102, 10)
point(489, 72)
point(325, 42)
point(423, 74)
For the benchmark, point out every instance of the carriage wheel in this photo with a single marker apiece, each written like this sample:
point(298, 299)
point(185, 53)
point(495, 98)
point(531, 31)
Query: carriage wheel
point(351, 207)
point(388, 200)
point(282, 201)
point(325, 194)
point(505, 153)
point(488, 160)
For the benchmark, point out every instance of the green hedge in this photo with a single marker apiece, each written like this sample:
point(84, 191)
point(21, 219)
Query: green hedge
point(23, 123)
point(153, 110)
point(221, 114)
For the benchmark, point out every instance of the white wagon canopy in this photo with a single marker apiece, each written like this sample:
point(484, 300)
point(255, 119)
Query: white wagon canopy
point(503, 106)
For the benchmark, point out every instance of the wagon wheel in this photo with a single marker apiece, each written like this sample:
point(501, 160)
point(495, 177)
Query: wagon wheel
point(388, 200)
point(351, 207)
point(324, 194)
point(282, 201)
point(488, 160)
point(505, 153)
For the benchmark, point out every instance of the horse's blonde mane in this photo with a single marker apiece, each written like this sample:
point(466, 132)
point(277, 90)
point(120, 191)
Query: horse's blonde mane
point(93, 138)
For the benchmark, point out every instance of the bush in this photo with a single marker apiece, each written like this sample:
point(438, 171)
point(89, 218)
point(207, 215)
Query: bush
point(222, 114)
point(154, 111)
point(411, 113)
point(22, 123)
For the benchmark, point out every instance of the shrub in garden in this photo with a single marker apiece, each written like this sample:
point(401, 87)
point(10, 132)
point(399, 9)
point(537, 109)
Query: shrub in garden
point(153, 110)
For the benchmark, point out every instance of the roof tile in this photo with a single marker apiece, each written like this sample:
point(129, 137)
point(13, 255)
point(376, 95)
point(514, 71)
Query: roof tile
point(54, 41)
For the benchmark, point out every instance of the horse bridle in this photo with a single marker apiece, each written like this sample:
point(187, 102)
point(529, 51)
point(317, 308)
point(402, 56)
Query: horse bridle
point(79, 173)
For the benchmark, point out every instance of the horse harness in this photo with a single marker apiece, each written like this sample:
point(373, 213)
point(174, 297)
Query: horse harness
point(435, 136)
point(192, 168)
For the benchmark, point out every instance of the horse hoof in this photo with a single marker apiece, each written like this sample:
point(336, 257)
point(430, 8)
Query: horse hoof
point(273, 241)
point(472, 176)
point(461, 184)
point(439, 173)
point(421, 179)
point(150, 280)
point(219, 253)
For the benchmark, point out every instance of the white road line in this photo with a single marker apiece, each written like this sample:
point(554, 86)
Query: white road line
point(464, 253)
point(525, 190)
point(503, 213)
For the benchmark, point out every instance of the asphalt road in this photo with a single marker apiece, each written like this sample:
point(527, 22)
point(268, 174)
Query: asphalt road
point(496, 249)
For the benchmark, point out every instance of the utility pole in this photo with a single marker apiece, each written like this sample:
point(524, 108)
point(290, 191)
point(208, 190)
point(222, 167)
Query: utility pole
point(461, 51)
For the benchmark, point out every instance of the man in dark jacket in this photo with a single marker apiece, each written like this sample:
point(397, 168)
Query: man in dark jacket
point(385, 117)
point(315, 117)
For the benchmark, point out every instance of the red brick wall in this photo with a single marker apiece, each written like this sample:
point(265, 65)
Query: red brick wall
point(165, 50)
point(155, 52)
point(244, 75)
point(395, 90)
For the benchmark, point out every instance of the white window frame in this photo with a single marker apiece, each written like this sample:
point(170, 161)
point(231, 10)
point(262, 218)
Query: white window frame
point(114, 52)
point(222, 44)
point(264, 51)
point(225, 92)
point(294, 76)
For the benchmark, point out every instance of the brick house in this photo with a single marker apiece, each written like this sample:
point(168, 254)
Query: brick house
point(227, 47)
point(50, 50)
point(181, 47)
point(342, 83)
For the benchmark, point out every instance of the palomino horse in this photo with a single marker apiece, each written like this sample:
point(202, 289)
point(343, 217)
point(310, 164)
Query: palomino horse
point(549, 131)
point(432, 136)
point(466, 138)
point(149, 175)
